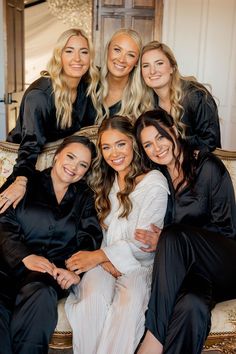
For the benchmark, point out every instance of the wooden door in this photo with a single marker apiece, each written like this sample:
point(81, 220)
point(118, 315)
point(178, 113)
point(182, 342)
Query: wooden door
point(144, 16)
point(14, 14)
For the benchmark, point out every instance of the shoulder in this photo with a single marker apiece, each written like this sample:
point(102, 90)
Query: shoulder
point(40, 89)
point(154, 178)
point(196, 93)
point(210, 165)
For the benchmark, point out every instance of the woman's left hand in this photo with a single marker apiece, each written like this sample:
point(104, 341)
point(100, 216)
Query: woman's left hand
point(65, 278)
point(148, 237)
point(82, 261)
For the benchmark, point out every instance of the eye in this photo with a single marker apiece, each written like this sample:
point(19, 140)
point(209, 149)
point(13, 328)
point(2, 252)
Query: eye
point(85, 51)
point(83, 165)
point(120, 145)
point(105, 147)
point(160, 63)
point(160, 137)
point(116, 49)
point(70, 156)
point(68, 50)
point(146, 146)
point(132, 55)
point(144, 66)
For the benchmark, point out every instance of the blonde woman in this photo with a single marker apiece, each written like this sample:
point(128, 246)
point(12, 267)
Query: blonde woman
point(120, 90)
point(189, 102)
point(111, 300)
point(53, 107)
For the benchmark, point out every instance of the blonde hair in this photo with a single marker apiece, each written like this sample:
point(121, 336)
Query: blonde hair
point(133, 98)
point(178, 86)
point(62, 92)
point(103, 175)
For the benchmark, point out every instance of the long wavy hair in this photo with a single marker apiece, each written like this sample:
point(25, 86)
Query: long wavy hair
point(62, 92)
point(133, 100)
point(185, 159)
point(178, 87)
point(103, 175)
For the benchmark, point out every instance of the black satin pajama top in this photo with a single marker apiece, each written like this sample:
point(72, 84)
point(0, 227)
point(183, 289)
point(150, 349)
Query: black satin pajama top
point(37, 124)
point(41, 226)
point(201, 119)
point(210, 204)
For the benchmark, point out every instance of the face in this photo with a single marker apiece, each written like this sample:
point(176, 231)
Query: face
point(75, 57)
point(123, 55)
point(157, 147)
point(117, 150)
point(156, 69)
point(71, 163)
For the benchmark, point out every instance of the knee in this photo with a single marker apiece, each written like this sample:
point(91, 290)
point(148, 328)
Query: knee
point(38, 293)
point(193, 307)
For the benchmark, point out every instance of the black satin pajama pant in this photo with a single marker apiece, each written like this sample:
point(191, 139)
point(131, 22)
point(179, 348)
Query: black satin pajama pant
point(193, 270)
point(28, 314)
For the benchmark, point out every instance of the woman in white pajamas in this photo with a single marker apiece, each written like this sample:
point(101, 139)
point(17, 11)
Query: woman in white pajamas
point(106, 310)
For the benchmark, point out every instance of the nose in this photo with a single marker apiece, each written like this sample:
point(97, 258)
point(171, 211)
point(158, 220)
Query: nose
point(122, 57)
point(77, 56)
point(156, 146)
point(114, 151)
point(152, 69)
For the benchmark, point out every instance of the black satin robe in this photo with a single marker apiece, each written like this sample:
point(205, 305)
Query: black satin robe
point(200, 118)
point(39, 225)
point(195, 263)
point(37, 124)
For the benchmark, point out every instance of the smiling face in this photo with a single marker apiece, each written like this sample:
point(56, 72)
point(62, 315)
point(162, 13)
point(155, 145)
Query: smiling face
point(123, 55)
point(158, 148)
point(71, 164)
point(117, 150)
point(156, 69)
point(75, 58)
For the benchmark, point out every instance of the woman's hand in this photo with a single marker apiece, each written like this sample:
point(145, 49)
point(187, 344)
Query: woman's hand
point(65, 278)
point(110, 268)
point(13, 194)
point(149, 238)
point(38, 264)
point(82, 261)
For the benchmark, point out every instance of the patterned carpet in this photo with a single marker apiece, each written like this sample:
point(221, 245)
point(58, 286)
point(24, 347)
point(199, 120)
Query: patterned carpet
point(61, 351)
point(70, 351)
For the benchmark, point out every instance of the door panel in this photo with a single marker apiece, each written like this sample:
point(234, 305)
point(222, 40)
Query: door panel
point(15, 59)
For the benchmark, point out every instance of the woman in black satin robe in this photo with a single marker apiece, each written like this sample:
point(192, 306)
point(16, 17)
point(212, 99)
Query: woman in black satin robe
point(55, 219)
point(53, 107)
point(195, 262)
point(188, 101)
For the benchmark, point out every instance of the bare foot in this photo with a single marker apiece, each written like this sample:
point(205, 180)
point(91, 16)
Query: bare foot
point(150, 345)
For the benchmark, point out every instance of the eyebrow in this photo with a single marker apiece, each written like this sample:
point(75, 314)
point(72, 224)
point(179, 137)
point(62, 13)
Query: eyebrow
point(148, 141)
point(116, 142)
point(70, 47)
point(77, 157)
point(129, 51)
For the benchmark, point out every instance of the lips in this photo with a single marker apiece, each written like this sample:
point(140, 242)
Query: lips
point(68, 172)
point(119, 66)
point(119, 161)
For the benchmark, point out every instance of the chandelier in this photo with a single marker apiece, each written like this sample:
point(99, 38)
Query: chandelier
point(76, 13)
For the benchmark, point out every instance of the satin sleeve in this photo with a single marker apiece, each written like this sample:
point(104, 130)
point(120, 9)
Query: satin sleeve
point(89, 233)
point(221, 196)
point(12, 247)
point(202, 120)
point(35, 113)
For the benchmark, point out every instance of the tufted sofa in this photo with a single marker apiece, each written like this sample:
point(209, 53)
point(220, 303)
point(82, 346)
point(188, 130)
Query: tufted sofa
point(222, 336)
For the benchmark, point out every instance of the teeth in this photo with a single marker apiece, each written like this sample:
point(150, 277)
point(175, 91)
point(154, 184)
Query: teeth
point(118, 160)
